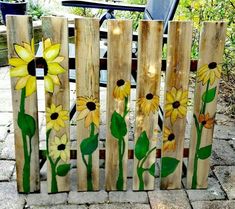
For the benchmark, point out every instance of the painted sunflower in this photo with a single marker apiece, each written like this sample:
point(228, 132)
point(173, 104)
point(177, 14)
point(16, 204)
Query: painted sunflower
point(122, 89)
point(59, 147)
point(89, 109)
point(24, 67)
point(176, 104)
point(55, 117)
point(168, 140)
point(50, 61)
point(206, 121)
point(209, 73)
point(149, 103)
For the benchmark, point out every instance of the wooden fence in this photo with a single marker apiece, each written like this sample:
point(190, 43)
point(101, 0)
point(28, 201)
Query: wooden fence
point(55, 61)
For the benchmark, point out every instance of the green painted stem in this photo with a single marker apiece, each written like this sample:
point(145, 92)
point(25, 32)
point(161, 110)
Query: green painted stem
point(27, 155)
point(199, 136)
point(141, 170)
point(26, 168)
point(120, 181)
point(54, 186)
point(89, 174)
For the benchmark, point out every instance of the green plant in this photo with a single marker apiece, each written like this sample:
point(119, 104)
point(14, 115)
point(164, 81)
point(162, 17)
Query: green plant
point(36, 10)
point(208, 10)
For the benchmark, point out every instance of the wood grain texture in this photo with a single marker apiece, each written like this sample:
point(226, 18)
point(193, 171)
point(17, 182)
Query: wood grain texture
point(119, 69)
point(148, 89)
point(177, 77)
point(56, 29)
point(211, 50)
point(87, 86)
point(19, 31)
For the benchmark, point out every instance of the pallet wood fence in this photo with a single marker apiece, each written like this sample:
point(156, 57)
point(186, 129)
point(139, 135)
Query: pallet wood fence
point(55, 61)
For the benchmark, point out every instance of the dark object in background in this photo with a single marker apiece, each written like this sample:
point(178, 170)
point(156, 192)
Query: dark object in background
point(14, 8)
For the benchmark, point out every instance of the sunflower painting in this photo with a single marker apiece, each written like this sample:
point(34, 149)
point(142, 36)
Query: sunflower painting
point(56, 117)
point(89, 111)
point(169, 141)
point(58, 146)
point(208, 74)
point(23, 68)
point(118, 127)
point(51, 62)
point(122, 89)
point(148, 104)
point(176, 104)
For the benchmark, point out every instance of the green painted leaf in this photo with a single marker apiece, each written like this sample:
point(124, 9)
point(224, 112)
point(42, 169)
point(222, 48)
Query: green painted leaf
point(204, 152)
point(27, 124)
point(118, 126)
point(169, 165)
point(141, 146)
point(209, 97)
point(89, 145)
point(152, 170)
point(62, 170)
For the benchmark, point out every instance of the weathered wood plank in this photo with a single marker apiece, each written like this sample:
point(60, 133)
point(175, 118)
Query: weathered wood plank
point(175, 103)
point(147, 97)
point(56, 83)
point(87, 88)
point(118, 92)
point(24, 100)
point(209, 71)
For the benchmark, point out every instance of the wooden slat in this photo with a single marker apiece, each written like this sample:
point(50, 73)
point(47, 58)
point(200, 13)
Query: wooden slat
point(175, 104)
point(24, 102)
point(210, 63)
point(118, 93)
point(55, 54)
point(147, 97)
point(87, 88)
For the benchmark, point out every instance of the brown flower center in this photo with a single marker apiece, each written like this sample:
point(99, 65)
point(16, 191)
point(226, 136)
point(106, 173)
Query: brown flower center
point(176, 104)
point(61, 147)
point(91, 106)
point(120, 82)
point(203, 122)
point(31, 68)
point(171, 137)
point(54, 116)
point(149, 96)
point(212, 65)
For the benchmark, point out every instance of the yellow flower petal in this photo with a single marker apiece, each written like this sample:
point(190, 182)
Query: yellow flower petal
point(51, 52)
point(21, 83)
point(58, 59)
point(95, 118)
point(48, 83)
point(31, 86)
point(169, 98)
point(183, 110)
point(212, 78)
point(55, 79)
point(178, 95)
point(19, 71)
point(63, 156)
point(64, 139)
point(174, 115)
point(55, 68)
point(47, 43)
point(23, 53)
point(83, 114)
point(168, 107)
point(17, 62)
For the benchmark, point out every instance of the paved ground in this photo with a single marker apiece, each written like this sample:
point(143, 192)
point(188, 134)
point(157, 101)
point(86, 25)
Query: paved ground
point(220, 192)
